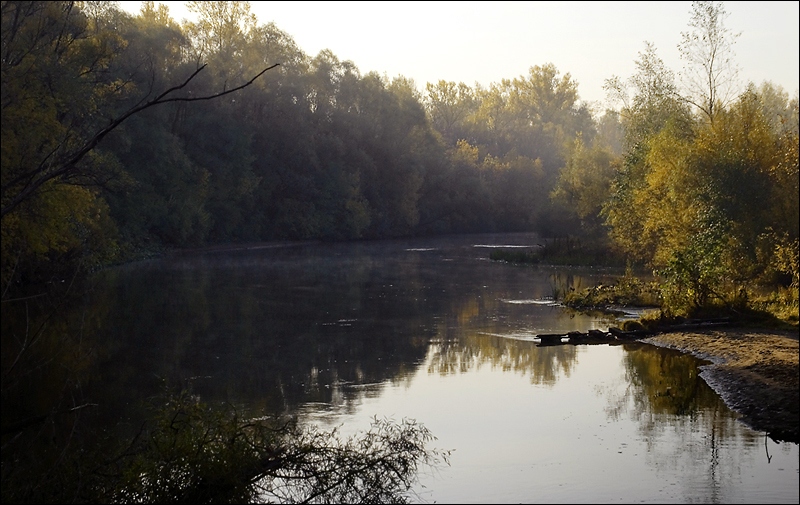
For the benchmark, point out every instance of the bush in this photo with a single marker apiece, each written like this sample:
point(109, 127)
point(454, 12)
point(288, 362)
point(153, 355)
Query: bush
point(192, 453)
point(627, 291)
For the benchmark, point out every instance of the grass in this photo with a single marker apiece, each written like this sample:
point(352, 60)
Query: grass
point(775, 312)
point(776, 309)
point(627, 291)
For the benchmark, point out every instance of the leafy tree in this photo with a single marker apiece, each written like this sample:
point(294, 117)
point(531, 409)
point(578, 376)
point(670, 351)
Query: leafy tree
point(650, 104)
point(456, 197)
point(708, 205)
point(648, 99)
point(517, 191)
point(545, 98)
point(56, 89)
point(61, 98)
point(610, 132)
point(536, 116)
point(585, 182)
point(449, 105)
point(163, 197)
point(55, 83)
point(709, 200)
point(779, 111)
point(523, 129)
point(166, 202)
point(221, 32)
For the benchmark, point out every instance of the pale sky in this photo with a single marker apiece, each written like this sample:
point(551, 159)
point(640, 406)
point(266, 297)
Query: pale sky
point(485, 42)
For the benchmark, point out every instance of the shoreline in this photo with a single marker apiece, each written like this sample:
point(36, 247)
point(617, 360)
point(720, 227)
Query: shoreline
point(755, 371)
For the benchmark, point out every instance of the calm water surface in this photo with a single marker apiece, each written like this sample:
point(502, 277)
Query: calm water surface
point(430, 329)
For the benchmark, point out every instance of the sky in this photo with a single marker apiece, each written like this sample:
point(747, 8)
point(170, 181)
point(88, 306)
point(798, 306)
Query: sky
point(485, 42)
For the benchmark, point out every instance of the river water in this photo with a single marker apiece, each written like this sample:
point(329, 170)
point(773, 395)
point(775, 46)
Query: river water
point(432, 330)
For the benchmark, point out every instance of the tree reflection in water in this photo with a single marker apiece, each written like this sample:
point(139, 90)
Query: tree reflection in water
point(667, 395)
point(329, 329)
point(544, 365)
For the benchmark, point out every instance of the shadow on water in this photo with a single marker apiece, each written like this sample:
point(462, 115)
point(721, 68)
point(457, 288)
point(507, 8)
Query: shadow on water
point(332, 329)
point(275, 328)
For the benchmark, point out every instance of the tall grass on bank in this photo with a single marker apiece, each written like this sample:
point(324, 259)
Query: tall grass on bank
point(774, 308)
point(627, 291)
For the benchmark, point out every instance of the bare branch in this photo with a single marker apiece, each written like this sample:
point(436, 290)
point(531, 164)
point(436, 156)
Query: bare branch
point(70, 164)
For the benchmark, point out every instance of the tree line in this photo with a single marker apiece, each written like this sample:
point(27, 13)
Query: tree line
point(125, 134)
point(128, 133)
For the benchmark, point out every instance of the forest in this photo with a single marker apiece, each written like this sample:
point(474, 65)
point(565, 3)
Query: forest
point(123, 136)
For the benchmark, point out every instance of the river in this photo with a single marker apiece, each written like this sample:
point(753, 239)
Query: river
point(431, 329)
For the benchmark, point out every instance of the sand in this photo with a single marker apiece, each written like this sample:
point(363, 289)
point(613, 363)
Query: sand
point(754, 371)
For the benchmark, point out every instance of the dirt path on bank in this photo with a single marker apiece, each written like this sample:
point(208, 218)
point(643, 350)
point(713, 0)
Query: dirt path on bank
point(754, 371)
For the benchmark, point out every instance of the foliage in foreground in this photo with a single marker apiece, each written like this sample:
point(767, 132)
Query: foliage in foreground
point(192, 453)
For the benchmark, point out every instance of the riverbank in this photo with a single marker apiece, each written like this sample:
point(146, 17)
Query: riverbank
point(754, 371)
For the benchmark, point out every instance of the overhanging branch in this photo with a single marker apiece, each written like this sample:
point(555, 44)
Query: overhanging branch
point(70, 164)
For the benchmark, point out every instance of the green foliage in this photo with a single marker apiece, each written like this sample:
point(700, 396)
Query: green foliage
point(167, 198)
point(449, 106)
point(63, 230)
point(694, 277)
point(654, 101)
point(585, 182)
point(703, 201)
point(627, 291)
point(55, 80)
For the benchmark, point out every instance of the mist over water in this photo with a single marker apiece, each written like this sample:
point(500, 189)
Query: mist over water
point(431, 329)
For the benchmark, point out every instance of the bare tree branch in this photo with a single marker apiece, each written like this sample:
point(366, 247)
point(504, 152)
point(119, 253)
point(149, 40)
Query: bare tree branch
point(69, 165)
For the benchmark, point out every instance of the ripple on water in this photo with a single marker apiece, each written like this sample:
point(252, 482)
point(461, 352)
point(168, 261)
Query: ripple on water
point(536, 301)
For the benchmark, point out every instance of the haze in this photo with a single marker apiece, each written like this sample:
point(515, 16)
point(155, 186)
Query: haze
point(485, 42)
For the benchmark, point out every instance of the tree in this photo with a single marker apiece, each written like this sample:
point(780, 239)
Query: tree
point(60, 158)
point(710, 74)
point(649, 98)
point(456, 198)
point(61, 97)
point(780, 111)
point(449, 105)
point(710, 210)
point(544, 96)
point(610, 133)
point(67, 165)
point(547, 108)
point(585, 182)
point(222, 30)
point(650, 104)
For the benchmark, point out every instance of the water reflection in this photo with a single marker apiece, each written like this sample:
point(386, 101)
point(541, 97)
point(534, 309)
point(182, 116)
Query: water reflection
point(428, 329)
point(667, 395)
point(265, 334)
point(544, 365)
point(277, 328)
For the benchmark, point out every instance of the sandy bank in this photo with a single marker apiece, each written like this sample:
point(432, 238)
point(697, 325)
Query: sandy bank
point(755, 372)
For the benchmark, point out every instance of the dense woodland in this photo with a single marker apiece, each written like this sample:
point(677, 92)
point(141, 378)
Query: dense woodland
point(129, 134)
point(125, 136)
